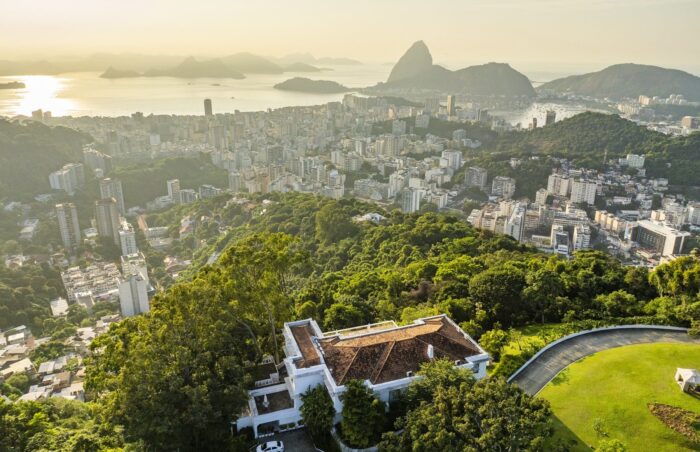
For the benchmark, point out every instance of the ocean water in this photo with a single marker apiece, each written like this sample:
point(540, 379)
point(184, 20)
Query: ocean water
point(86, 94)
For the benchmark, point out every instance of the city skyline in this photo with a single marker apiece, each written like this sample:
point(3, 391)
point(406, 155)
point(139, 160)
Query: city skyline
point(543, 32)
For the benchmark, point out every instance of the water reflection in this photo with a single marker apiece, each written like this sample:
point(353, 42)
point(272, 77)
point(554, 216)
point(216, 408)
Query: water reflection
point(40, 92)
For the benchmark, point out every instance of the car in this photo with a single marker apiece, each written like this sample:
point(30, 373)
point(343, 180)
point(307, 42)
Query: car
point(270, 446)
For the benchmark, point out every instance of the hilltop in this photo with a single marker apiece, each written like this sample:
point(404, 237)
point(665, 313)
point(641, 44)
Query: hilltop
point(629, 80)
point(118, 73)
point(248, 63)
point(301, 67)
point(415, 70)
point(191, 68)
point(306, 85)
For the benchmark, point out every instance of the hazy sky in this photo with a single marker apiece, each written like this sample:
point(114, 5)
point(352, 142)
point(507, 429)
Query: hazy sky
point(663, 32)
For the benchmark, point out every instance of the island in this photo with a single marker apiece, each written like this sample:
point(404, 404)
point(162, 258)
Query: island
point(111, 72)
point(12, 85)
point(306, 85)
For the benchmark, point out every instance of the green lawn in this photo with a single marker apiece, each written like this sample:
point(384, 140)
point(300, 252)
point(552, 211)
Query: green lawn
point(612, 389)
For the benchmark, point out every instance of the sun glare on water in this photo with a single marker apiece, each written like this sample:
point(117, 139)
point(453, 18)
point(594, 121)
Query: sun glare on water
point(42, 92)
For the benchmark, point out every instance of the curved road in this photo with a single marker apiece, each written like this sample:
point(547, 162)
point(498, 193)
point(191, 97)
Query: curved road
point(533, 376)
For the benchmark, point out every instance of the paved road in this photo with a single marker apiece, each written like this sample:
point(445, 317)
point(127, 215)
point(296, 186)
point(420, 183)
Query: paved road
point(543, 369)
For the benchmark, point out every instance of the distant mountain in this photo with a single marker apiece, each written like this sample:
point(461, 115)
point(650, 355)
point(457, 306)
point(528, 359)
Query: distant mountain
point(629, 80)
point(117, 73)
point(331, 61)
point(307, 58)
point(306, 85)
point(416, 62)
point(28, 68)
point(301, 67)
point(12, 85)
point(191, 68)
point(415, 70)
point(247, 63)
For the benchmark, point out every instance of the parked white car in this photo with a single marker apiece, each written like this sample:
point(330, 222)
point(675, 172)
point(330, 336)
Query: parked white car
point(271, 446)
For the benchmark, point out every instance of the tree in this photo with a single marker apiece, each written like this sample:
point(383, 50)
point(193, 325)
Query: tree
point(341, 315)
point(317, 411)
point(498, 290)
point(177, 375)
point(333, 224)
point(489, 415)
point(363, 415)
point(260, 270)
point(493, 342)
point(543, 288)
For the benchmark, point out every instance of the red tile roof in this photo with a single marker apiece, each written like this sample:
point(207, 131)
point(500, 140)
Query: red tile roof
point(302, 335)
point(389, 355)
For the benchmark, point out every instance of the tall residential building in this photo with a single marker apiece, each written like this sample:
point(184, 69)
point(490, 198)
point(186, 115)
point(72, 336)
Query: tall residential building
point(209, 191)
point(550, 118)
point(476, 177)
point(583, 192)
point(558, 185)
point(660, 238)
point(541, 196)
point(133, 295)
point(112, 188)
point(207, 108)
point(127, 239)
point(96, 161)
point(107, 219)
point(582, 237)
point(560, 240)
point(135, 264)
point(69, 178)
point(67, 216)
point(410, 200)
point(451, 105)
point(174, 190)
point(503, 186)
point(134, 286)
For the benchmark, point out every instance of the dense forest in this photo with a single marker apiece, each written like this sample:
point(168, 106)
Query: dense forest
point(30, 151)
point(143, 183)
point(176, 377)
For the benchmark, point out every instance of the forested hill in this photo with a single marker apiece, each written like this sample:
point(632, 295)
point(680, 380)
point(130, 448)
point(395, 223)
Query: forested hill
point(587, 137)
point(629, 80)
point(30, 151)
point(295, 256)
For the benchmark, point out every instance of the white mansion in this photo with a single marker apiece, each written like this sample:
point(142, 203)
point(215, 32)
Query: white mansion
point(384, 355)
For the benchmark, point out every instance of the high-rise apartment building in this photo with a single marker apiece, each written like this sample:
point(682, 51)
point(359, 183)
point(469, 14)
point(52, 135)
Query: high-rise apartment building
point(67, 216)
point(550, 118)
point(112, 188)
point(558, 185)
point(503, 186)
point(476, 177)
point(107, 219)
point(451, 105)
point(174, 190)
point(583, 191)
point(127, 239)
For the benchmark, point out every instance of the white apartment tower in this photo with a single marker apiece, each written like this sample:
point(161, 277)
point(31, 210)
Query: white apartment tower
point(583, 192)
point(67, 216)
point(112, 188)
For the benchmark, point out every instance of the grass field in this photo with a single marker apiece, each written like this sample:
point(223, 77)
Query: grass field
point(611, 389)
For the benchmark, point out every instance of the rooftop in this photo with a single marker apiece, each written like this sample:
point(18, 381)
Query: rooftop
point(384, 352)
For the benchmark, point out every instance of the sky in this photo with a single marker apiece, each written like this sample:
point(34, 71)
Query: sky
point(548, 33)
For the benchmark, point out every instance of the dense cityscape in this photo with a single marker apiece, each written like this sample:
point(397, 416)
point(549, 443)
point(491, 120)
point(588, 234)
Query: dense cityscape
point(406, 267)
